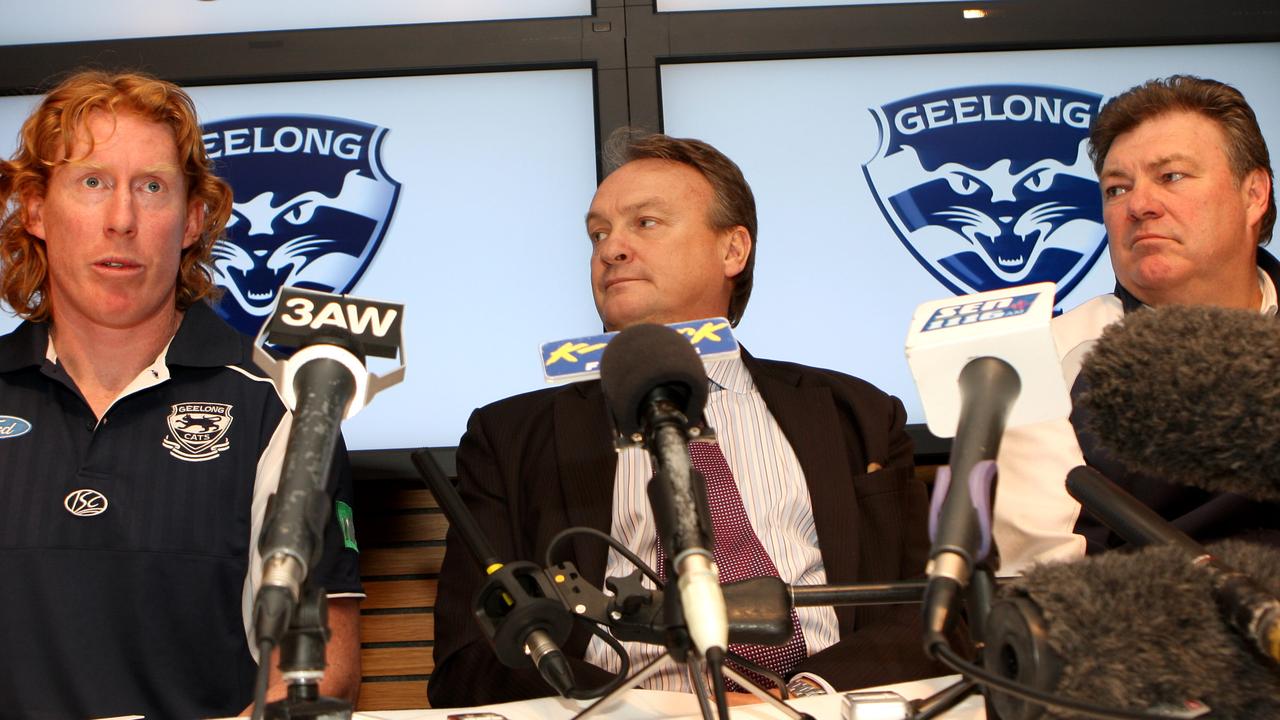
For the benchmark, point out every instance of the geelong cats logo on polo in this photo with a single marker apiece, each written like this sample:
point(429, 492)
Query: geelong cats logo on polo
point(197, 430)
point(991, 186)
point(312, 204)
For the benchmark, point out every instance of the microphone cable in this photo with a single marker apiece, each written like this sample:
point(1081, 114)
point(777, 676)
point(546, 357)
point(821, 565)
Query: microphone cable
point(548, 558)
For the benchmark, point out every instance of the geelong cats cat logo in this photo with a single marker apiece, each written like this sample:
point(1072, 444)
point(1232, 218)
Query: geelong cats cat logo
point(198, 430)
point(991, 186)
point(312, 204)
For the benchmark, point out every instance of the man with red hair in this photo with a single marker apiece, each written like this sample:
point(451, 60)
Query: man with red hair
point(138, 441)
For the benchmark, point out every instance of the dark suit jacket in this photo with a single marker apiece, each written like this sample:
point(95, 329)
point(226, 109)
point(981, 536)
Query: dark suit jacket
point(531, 465)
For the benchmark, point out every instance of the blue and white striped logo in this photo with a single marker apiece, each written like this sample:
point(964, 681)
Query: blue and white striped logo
point(12, 427)
point(991, 186)
point(312, 205)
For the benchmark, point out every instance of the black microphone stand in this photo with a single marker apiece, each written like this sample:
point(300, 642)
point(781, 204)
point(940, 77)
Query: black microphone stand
point(324, 382)
point(296, 518)
point(302, 663)
point(516, 607)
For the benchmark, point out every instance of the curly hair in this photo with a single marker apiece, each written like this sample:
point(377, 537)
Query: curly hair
point(46, 141)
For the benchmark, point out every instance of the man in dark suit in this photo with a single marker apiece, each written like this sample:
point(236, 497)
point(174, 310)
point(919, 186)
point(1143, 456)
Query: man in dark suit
point(821, 459)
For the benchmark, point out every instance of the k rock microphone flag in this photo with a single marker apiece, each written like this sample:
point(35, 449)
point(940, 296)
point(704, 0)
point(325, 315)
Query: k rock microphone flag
point(579, 358)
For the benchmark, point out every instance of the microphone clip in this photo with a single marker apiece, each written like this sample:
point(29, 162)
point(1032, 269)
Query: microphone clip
point(633, 613)
point(517, 599)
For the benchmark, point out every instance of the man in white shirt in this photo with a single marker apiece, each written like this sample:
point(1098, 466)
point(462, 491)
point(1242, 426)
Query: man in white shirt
point(1187, 200)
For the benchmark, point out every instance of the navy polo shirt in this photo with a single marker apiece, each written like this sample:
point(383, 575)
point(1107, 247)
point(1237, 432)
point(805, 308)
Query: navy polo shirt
point(128, 545)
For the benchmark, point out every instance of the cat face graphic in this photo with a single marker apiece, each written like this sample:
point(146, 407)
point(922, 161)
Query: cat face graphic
point(1008, 218)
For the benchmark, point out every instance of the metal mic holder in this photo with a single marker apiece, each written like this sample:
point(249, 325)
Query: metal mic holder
point(302, 662)
point(635, 613)
point(693, 663)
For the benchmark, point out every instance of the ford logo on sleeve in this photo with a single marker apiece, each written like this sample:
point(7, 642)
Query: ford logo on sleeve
point(12, 427)
point(991, 186)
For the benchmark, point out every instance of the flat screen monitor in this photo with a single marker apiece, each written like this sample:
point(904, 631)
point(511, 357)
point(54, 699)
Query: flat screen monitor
point(460, 196)
point(883, 182)
point(490, 175)
point(57, 21)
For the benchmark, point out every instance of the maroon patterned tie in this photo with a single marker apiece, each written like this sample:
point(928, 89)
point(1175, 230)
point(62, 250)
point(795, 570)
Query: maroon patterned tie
point(739, 556)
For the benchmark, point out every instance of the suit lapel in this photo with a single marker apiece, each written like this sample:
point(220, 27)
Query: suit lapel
point(808, 418)
point(586, 462)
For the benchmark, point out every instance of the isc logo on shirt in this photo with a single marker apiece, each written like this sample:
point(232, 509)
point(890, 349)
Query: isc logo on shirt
point(85, 502)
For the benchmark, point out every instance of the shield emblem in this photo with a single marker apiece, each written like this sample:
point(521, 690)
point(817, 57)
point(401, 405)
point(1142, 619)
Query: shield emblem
point(991, 186)
point(312, 204)
point(197, 431)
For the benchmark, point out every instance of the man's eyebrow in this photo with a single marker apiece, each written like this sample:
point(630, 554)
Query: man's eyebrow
point(653, 203)
point(148, 170)
point(1159, 162)
point(161, 168)
point(85, 164)
point(1172, 158)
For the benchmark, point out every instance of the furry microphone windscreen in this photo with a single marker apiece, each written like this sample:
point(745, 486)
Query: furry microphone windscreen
point(1141, 630)
point(642, 358)
point(1192, 395)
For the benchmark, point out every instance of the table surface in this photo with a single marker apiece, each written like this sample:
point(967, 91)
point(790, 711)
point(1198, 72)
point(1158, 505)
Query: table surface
point(654, 704)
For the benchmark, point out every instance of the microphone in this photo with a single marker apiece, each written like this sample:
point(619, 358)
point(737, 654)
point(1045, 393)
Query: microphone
point(1250, 609)
point(322, 383)
point(1135, 631)
point(972, 357)
point(656, 387)
point(1190, 394)
point(514, 608)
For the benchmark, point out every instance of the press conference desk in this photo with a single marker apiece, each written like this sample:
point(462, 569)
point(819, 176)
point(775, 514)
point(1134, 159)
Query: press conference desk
point(653, 704)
